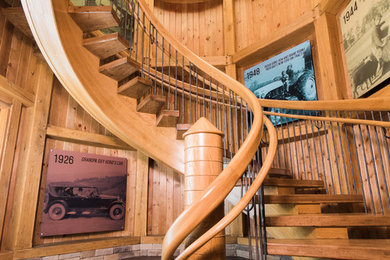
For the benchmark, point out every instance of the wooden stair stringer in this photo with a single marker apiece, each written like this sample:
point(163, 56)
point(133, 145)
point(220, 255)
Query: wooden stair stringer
point(60, 40)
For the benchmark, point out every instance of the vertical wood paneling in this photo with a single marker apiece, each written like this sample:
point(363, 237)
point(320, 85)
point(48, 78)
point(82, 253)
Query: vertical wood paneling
point(166, 197)
point(198, 26)
point(258, 18)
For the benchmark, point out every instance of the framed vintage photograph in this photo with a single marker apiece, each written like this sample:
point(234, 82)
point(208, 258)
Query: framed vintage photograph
point(365, 32)
point(286, 76)
point(84, 193)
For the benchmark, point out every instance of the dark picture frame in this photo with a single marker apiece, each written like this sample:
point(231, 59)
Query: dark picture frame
point(286, 76)
point(365, 34)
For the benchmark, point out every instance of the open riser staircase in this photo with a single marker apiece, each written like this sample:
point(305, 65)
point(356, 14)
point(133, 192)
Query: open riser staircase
point(127, 71)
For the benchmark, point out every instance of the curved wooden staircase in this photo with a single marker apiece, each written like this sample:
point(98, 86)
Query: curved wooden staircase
point(96, 67)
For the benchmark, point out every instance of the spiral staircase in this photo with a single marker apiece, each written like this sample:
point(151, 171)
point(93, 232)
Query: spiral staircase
point(147, 89)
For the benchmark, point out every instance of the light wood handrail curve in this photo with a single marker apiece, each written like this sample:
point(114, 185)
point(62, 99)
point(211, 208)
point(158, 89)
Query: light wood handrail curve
point(367, 104)
point(239, 207)
point(220, 188)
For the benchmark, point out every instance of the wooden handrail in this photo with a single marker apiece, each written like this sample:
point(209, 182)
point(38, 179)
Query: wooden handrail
point(221, 187)
point(239, 207)
point(368, 104)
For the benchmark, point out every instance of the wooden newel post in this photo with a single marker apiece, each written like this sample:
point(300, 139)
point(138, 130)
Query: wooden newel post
point(203, 162)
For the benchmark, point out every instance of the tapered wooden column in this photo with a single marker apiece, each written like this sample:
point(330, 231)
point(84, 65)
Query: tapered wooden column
point(203, 163)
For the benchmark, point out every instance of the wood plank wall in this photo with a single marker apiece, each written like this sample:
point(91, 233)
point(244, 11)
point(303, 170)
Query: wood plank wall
point(65, 112)
point(256, 19)
point(197, 26)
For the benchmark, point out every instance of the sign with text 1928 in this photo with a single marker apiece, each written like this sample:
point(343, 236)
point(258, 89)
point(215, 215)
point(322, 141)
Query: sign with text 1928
point(84, 193)
point(364, 26)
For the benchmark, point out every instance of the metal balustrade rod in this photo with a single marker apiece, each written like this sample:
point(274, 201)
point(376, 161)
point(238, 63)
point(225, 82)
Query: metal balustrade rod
point(149, 50)
point(360, 172)
point(342, 157)
point(237, 123)
point(366, 168)
point(329, 159)
point(125, 26)
point(302, 150)
point(169, 77)
point(283, 146)
point(204, 97)
point(190, 97)
point(322, 154)
point(223, 117)
point(296, 150)
point(162, 66)
point(349, 154)
point(315, 148)
point(210, 104)
point(335, 156)
point(182, 93)
point(231, 142)
point(131, 36)
point(155, 62)
point(136, 47)
point(385, 144)
point(289, 145)
point(143, 40)
point(217, 105)
point(175, 102)
point(308, 147)
point(382, 163)
point(374, 163)
point(196, 96)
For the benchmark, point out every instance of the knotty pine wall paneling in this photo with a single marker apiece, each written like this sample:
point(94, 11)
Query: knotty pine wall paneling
point(197, 26)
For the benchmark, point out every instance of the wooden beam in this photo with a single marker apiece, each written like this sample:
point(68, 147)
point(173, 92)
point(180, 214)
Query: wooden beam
point(332, 6)
point(141, 195)
point(7, 155)
point(293, 33)
point(16, 92)
point(75, 246)
point(331, 71)
point(28, 171)
point(229, 34)
point(82, 137)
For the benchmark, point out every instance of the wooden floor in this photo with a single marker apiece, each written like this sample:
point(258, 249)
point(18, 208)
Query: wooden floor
point(158, 258)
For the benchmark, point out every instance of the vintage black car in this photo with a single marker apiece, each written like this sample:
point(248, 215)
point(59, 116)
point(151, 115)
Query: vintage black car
point(63, 200)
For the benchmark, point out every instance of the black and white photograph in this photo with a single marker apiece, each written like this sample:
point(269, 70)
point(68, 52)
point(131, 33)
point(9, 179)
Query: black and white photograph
point(286, 76)
point(365, 32)
point(84, 193)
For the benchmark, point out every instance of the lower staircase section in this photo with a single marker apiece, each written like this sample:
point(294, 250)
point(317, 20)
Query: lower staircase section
point(301, 220)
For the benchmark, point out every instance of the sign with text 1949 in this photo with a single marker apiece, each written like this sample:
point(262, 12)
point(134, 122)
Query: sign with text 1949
point(84, 193)
point(364, 26)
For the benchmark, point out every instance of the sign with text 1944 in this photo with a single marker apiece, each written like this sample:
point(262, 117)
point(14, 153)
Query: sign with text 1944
point(364, 26)
point(84, 193)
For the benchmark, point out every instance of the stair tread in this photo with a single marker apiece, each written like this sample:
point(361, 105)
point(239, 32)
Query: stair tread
point(151, 104)
point(181, 129)
point(120, 68)
point(331, 248)
point(92, 18)
point(279, 172)
point(328, 220)
point(312, 199)
point(168, 118)
point(105, 46)
point(135, 88)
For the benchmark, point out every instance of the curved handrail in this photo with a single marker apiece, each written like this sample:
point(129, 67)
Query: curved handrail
point(224, 183)
point(245, 200)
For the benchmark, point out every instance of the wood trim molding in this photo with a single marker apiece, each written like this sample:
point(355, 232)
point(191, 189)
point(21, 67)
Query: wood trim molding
point(75, 246)
point(82, 137)
point(16, 92)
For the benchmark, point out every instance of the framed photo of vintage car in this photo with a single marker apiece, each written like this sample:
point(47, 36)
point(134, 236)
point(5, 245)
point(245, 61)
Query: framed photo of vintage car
point(286, 76)
point(365, 32)
point(84, 193)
